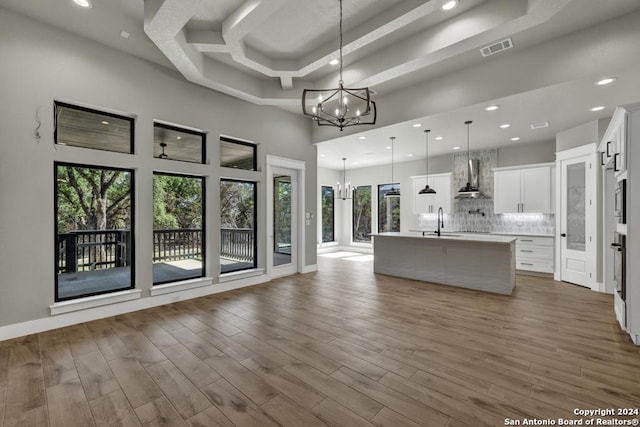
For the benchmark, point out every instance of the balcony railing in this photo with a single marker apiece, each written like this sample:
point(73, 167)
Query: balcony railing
point(237, 244)
point(101, 249)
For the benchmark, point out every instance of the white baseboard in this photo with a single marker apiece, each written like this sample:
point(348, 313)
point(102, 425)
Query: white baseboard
point(359, 249)
point(73, 318)
point(309, 268)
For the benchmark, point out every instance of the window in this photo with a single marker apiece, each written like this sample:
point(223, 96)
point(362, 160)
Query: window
point(237, 154)
point(238, 245)
point(388, 209)
point(84, 127)
point(175, 143)
point(178, 227)
point(328, 234)
point(94, 230)
point(362, 214)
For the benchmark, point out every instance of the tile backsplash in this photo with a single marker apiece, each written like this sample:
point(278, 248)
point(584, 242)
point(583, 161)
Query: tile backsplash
point(477, 214)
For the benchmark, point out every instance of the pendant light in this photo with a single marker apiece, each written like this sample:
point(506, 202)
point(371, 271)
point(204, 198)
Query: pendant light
point(341, 106)
point(394, 192)
point(427, 189)
point(344, 191)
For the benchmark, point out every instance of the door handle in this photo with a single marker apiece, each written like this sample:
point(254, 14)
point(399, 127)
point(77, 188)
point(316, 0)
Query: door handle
point(602, 158)
point(615, 162)
point(563, 234)
point(608, 145)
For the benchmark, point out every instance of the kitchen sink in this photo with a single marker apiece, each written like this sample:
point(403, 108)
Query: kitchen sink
point(442, 234)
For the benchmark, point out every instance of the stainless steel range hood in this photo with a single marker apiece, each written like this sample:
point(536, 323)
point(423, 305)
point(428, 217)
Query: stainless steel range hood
point(471, 190)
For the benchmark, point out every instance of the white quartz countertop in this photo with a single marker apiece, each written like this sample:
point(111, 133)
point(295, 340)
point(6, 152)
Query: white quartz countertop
point(466, 237)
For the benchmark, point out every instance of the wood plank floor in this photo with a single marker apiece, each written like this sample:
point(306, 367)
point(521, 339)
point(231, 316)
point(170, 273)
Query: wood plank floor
point(339, 347)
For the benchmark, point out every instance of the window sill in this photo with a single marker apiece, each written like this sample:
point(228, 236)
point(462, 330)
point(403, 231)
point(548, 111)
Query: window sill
point(361, 245)
point(228, 277)
point(183, 285)
point(94, 301)
point(328, 244)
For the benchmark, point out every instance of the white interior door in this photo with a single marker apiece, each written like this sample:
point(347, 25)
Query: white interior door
point(577, 221)
point(283, 236)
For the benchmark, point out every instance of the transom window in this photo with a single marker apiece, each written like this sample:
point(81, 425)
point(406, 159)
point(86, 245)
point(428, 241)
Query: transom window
point(88, 128)
point(237, 154)
point(176, 143)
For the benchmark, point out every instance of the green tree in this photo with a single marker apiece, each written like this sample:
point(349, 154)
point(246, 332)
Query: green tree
point(237, 204)
point(177, 202)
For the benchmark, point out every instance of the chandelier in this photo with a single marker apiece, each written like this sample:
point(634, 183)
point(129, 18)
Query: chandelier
point(344, 191)
point(339, 107)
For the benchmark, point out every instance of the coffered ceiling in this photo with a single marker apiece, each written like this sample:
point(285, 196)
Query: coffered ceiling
point(423, 62)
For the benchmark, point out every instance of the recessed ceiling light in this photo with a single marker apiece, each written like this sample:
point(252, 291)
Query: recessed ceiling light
point(333, 62)
point(362, 137)
point(124, 34)
point(409, 155)
point(439, 138)
point(598, 108)
point(456, 148)
point(82, 3)
point(505, 125)
point(605, 81)
point(515, 138)
point(449, 5)
point(323, 155)
point(178, 137)
point(104, 122)
point(417, 125)
point(492, 107)
point(388, 147)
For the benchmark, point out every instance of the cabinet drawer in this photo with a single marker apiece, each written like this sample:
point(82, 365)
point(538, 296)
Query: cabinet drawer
point(534, 265)
point(532, 251)
point(540, 241)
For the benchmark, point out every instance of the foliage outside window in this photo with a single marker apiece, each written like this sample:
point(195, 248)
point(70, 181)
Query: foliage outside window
point(88, 128)
point(328, 229)
point(362, 214)
point(238, 246)
point(388, 209)
point(94, 230)
point(178, 227)
point(176, 143)
point(282, 219)
point(237, 154)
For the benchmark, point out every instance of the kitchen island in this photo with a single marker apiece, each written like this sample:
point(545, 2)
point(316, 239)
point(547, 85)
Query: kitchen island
point(483, 262)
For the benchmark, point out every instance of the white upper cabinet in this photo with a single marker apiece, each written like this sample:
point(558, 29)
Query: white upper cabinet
point(523, 190)
point(429, 203)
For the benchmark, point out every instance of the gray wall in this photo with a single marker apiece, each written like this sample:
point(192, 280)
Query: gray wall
point(40, 64)
point(522, 154)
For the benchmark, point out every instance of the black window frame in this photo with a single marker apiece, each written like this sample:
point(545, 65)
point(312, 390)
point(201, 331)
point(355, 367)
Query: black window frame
point(353, 230)
point(204, 227)
point(56, 164)
point(395, 185)
point(255, 224)
point(177, 128)
point(246, 144)
point(333, 213)
point(131, 121)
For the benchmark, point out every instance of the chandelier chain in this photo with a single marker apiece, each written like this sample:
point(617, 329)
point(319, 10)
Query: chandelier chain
point(341, 82)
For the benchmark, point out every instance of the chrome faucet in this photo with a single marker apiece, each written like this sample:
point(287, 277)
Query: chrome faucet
point(440, 220)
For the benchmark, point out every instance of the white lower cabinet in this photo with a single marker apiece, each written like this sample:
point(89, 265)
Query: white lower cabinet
point(534, 254)
point(429, 203)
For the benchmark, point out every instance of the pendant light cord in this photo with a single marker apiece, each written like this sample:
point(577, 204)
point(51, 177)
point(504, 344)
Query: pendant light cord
point(393, 140)
point(427, 152)
point(341, 81)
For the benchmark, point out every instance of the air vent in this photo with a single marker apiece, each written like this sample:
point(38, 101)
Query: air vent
point(540, 125)
point(494, 48)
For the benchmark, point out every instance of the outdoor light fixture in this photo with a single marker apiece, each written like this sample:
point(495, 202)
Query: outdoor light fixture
point(394, 192)
point(339, 107)
point(344, 191)
point(427, 189)
point(163, 155)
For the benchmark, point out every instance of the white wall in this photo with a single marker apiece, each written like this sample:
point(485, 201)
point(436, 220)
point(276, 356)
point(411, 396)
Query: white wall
point(40, 64)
